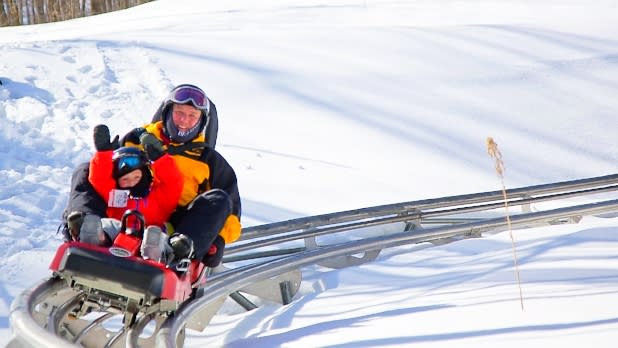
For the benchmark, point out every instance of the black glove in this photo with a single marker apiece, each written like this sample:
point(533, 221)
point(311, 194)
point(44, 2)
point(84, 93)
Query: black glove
point(133, 136)
point(75, 219)
point(152, 146)
point(182, 246)
point(101, 139)
point(215, 254)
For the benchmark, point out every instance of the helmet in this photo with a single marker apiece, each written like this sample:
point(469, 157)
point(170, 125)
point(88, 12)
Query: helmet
point(186, 94)
point(127, 159)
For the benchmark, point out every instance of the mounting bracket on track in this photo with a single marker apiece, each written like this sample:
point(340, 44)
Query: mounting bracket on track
point(279, 289)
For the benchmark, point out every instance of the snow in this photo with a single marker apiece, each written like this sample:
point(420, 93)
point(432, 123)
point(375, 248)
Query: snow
point(334, 105)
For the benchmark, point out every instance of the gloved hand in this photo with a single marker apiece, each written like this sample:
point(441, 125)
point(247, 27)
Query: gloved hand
point(152, 146)
point(102, 139)
point(75, 219)
point(182, 246)
point(133, 136)
point(215, 254)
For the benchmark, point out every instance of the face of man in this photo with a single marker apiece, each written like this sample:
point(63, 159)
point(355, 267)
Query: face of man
point(185, 116)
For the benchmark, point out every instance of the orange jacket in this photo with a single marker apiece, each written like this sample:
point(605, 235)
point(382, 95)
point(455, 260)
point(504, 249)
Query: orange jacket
point(164, 194)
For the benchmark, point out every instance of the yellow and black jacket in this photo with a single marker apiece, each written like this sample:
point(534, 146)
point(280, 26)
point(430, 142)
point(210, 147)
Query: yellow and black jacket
point(203, 168)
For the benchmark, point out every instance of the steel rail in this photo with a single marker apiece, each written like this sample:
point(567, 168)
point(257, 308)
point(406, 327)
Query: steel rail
point(225, 283)
point(432, 203)
point(416, 210)
point(25, 329)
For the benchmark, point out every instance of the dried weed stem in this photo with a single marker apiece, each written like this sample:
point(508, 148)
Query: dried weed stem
point(494, 152)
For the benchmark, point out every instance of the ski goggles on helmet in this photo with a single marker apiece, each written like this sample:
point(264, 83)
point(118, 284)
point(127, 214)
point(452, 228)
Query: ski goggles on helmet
point(189, 94)
point(127, 159)
point(129, 162)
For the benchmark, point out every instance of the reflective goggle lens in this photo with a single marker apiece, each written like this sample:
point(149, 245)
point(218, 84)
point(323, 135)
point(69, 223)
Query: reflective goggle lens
point(184, 95)
point(128, 162)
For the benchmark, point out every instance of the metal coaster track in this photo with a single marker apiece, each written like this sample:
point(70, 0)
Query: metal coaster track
point(39, 315)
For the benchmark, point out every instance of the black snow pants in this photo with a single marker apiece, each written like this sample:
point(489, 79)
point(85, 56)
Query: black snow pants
point(203, 219)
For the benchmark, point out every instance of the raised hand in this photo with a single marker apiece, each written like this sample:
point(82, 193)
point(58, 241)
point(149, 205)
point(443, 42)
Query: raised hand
point(152, 146)
point(101, 138)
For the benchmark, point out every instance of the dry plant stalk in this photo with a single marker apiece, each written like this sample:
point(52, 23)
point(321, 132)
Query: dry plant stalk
point(494, 152)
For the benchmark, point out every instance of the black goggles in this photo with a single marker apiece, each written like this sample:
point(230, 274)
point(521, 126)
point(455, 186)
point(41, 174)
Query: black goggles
point(188, 94)
point(129, 162)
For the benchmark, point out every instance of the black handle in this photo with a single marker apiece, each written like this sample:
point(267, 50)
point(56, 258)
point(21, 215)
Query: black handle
point(139, 232)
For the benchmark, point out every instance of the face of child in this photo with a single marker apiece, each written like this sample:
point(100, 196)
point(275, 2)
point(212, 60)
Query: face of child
point(130, 179)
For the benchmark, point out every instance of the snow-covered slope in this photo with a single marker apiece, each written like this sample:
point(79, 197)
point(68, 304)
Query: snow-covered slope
point(328, 106)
